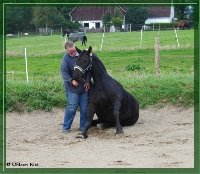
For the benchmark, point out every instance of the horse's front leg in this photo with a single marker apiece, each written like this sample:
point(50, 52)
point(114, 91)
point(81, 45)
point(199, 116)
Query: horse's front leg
point(116, 108)
point(90, 114)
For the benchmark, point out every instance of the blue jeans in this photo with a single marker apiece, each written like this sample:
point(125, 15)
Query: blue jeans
point(73, 101)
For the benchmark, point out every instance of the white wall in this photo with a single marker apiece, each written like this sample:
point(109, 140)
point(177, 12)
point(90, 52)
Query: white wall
point(92, 23)
point(158, 20)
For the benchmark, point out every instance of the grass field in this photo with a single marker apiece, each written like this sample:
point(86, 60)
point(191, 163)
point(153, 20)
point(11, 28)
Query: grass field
point(47, 45)
point(131, 65)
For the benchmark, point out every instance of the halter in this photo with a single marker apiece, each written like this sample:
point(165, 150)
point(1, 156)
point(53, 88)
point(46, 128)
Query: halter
point(87, 68)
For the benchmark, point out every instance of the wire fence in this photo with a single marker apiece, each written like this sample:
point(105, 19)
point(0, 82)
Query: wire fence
point(117, 41)
point(40, 48)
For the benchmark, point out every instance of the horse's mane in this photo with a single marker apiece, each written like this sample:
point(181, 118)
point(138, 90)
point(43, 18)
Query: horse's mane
point(102, 67)
point(99, 62)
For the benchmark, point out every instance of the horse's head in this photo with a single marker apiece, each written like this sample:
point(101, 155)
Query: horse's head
point(83, 63)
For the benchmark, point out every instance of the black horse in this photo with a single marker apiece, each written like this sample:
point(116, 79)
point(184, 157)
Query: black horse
point(107, 97)
point(74, 37)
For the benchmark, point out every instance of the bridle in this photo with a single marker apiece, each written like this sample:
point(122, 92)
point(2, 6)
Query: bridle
point(89, 67)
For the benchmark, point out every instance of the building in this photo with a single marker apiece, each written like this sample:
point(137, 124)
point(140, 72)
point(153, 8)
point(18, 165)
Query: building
point(157, 14)
point(91, 16)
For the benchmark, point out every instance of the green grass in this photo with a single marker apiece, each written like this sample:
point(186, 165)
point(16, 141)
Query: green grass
point(148, 89)
point(34, 95)
point(131, 66)
point(47, 45)
point(116, 62)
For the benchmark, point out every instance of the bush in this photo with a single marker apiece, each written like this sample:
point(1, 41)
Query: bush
point(134, 67)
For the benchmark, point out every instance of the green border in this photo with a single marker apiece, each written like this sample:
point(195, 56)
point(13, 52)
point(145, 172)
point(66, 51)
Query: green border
point(1, 91)
point(100, 170)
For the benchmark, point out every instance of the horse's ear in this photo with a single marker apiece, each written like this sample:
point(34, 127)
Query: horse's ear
point(78, 50)
point(90, 50)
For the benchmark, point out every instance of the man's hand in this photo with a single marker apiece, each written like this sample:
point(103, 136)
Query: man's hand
point(87, 87)
point(74, 83)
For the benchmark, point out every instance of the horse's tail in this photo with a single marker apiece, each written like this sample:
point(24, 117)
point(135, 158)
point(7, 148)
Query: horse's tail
point(134, 112)
point(136, 115)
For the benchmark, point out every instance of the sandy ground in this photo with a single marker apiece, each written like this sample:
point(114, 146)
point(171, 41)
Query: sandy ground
point(162, 138)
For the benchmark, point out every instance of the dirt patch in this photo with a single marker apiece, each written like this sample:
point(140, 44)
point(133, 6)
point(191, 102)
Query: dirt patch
point(162, 138)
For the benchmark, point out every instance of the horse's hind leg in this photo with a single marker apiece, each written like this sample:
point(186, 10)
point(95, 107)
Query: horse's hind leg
point(133, 114)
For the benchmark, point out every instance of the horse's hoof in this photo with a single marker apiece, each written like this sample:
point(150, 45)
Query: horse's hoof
point(85, 136)
point(120, 132)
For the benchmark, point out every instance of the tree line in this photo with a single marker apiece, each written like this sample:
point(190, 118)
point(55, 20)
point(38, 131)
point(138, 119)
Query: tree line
point(136, 16)
point(31, 18)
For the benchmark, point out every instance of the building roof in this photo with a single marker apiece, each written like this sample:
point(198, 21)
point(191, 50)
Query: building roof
point(158, 11)
point(87, 13)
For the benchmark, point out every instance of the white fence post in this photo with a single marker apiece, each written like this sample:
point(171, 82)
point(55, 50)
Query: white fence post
point(61, 31)
point(176, 37)
point(157, 55)
point(102, 40)
point(159, 29)
point(25, 56)
point(141, 39)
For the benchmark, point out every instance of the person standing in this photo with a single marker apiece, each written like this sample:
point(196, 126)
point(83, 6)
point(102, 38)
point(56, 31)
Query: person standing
point(76, 92)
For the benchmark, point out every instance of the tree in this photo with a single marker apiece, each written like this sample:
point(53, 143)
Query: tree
point(72, 25)
point(64, 11)
point(52, 17)
point(107, 20)
point(17, 20)
point(117, 20)
point(117, 12)
point(136, 17)
point(189, 11)
point(184, 11)
point(47, 17)
point(180, 11)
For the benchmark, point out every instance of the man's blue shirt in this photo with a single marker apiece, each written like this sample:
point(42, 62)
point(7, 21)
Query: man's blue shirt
point(67, 69)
